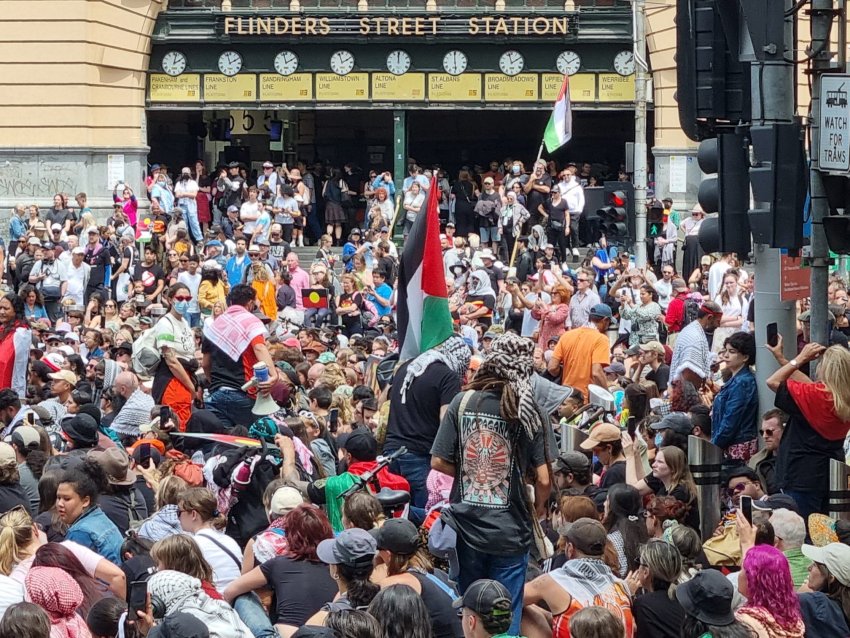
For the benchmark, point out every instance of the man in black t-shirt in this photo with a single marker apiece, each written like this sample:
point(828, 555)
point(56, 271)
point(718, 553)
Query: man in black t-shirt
point(497, 275)
point(651, 355)
point(420, 394)
point(537, 190)
point(150, 274)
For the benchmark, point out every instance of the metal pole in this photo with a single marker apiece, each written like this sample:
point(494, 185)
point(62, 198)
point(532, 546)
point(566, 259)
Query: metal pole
point(820, 23)
point(773, 101)
point(641, 81)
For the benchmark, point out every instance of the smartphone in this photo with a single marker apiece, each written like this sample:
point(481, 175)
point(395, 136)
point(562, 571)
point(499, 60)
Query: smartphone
point(164, 415)
point(333, 420)
point(631, 426)
point(772, 334)
point(144, 454)
point(747, 508)
point(31, 418)
point(137, 599)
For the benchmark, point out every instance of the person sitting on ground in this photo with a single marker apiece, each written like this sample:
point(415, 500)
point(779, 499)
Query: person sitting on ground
point(485, 609)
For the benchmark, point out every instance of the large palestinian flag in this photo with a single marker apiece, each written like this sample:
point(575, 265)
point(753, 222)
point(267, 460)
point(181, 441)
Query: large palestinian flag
point(559, 130)
point(424, 320)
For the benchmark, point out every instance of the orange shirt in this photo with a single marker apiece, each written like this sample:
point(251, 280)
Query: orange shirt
point(577, 350)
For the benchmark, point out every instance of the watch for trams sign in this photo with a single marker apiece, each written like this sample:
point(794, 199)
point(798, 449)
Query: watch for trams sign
point(406, 26)
point(834, 150)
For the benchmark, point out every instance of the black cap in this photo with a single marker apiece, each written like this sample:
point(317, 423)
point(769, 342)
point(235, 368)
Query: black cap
point(397, 535)
point(487, 598)
point(360, 444)
point(81, 430)
point(776, 502)
point(708, 597)
point(679, 422)
point(572, 463)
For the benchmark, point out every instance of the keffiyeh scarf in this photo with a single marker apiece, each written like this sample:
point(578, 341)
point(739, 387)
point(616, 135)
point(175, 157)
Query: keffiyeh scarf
point(55, 591)
point(510, 359)
point(453, 352)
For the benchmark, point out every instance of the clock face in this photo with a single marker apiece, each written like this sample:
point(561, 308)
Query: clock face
point(342, 62)
point(174, 63)
point(398, 62)
point(455, 62)
point(285, 62)
point(624, 63)
point(230, 63)
point(511, 62)
point(568, 63)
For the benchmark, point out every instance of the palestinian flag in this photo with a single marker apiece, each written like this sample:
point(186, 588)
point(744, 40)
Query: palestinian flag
point(424, 320)
point(559, 130)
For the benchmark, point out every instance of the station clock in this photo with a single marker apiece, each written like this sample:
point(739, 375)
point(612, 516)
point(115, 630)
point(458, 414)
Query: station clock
point(568, 62)
point(174, 63)
point(342, 62)
point(455, 62)
point(398, 62)
point(286, 63)
point(230, 63)
point(624, 63)
point(511, 62)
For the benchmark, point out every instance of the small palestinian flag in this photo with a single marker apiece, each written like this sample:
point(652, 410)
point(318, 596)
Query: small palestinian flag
point(314, 298)
point(559, 130)
point(424, 320)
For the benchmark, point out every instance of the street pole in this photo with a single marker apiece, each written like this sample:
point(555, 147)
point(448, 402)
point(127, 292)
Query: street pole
point(641, 81)
point(821, 18)
point(772, 102)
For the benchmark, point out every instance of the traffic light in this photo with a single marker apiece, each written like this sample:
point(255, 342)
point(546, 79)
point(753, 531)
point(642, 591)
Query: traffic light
point(779, 178)
point(617, 215)
point(727, 193)
point(654, 221)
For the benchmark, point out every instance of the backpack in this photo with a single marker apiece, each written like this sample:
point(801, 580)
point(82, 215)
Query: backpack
point(690, 311)
point(146, 356)
point(368, 312)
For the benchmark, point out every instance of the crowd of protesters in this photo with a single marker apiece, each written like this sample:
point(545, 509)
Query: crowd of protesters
point(196, 408)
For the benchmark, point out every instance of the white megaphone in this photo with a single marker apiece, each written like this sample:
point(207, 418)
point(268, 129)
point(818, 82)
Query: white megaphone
point(264, 405)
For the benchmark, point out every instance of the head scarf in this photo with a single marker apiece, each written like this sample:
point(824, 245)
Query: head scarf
point(510, 359)
point(110, 372)
point(453, 352)
point(55, 591)
point(480, 285)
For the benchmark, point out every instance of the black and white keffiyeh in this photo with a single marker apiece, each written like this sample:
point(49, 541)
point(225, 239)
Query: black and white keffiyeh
point(511, 359)
point(453, 352)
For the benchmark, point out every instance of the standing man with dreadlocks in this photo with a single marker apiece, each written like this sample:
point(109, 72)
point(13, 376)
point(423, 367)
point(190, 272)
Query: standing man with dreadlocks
point(492, 440)
point(420, 395)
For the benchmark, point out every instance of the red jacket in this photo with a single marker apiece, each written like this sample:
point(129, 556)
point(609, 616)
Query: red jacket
point(676, 312)
point(385, 477)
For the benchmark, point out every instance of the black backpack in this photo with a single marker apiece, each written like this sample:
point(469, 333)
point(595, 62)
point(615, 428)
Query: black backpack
point(690, 311)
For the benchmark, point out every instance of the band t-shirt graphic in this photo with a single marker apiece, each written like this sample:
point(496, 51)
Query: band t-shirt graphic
point(488, 502)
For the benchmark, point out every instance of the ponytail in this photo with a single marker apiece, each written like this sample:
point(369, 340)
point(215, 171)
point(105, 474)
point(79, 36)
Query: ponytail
point(15, 533)
point(361, 590)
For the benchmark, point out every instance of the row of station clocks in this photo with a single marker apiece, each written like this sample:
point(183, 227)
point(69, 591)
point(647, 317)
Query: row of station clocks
point(398, 62)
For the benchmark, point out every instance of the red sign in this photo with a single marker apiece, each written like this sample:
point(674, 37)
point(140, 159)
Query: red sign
point(796, 281)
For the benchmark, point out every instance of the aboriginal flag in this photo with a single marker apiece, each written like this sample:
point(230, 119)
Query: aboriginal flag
point(315, 298)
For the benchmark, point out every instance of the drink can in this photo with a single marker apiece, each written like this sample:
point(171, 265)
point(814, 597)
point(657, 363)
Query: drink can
point(261, 372)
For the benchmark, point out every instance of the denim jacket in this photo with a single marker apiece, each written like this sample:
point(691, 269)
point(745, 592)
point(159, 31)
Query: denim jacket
point(735, 412)
point(94, 530)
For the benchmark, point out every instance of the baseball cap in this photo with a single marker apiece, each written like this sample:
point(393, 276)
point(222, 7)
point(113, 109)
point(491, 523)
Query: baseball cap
point(352, 547)
point(778, 501)
point(327, 357)
point(355, 231)
point(385, 229)
point(79, 250)
point(268, 165)
point(588, 536)
point(92, 230)
point(601, 310)
point(486, 597)
point(572, 462)
point(652, 346)
point(232, 209)
point(72, 336)
point(601, 432)
point(34, 241)
point(7, 454)
point(708, 597)
point(26, 436)
point(806, 316)
point(284, 500)
point(397, 535)
point(56, 227)
point(262, 241)
point(836, 558)
point(360, 444)
point(615, 368)
point(679, 422)
point(214, 244)
point(64, 375)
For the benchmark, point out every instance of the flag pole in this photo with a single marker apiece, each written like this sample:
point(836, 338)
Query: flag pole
point(540, 151)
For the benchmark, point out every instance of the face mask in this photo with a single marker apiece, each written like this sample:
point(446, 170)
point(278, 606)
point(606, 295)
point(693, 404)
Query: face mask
point(182, 307)
point(659, 439)
point(515, 170)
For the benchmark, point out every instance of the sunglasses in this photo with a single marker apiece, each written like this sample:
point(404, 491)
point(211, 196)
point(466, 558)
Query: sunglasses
point(739, 487)
point(767, 431)
point(181, 298)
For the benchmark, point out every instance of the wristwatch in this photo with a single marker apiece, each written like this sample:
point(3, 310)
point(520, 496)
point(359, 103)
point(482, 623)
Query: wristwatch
point(794, 363)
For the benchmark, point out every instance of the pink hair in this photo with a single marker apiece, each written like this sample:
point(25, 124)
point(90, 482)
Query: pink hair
point(769, 584)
